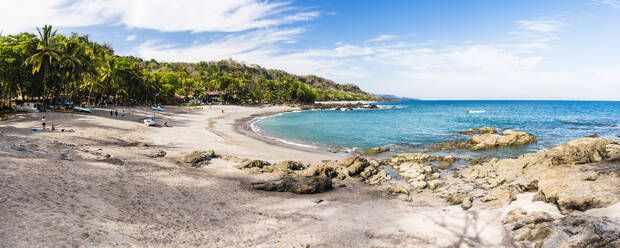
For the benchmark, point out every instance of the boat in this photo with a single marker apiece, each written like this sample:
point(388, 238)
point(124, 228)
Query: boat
point(476, 111)
point(158, 108)
point(150, 122)
point(80, 109)
point(64, 111)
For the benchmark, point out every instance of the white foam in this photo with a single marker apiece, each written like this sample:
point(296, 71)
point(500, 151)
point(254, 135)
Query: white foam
point(257, 131)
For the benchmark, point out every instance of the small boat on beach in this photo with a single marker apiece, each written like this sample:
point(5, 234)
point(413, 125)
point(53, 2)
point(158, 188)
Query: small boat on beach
point(64, 111)
point(80, 109)
point(158, 108)
point(476, 111)
point(150, 122)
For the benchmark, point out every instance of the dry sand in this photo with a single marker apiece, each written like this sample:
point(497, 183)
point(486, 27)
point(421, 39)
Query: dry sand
point(57, 190)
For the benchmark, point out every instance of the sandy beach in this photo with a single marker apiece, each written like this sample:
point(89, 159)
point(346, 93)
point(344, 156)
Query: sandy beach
point(100, 187)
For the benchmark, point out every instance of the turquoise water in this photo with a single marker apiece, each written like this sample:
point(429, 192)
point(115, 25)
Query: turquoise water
point(414, 125)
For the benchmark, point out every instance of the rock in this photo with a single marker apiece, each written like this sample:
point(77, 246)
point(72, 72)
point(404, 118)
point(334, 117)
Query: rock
point(253, 164)
point(577, 175)
point(404, 197)
point(306, 185)
point(352, 167)
point(467, 203)
point(376, 150)
point(507, 138)
point(444, 165)
point(539, 196)
point(456, 198)
point(480, 130)
point(513, 216)
point(434, 184)
point(199, 158)
point(290, 165)
point(158, 154)
point(543, 230)
point(396, 190)
point(114, 161)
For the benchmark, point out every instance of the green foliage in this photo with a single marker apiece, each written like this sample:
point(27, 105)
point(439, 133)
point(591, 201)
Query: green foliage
point(74, 68)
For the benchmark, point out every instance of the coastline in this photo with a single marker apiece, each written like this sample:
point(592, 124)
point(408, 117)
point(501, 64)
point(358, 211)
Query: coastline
point(102, 186)
point(244, 126)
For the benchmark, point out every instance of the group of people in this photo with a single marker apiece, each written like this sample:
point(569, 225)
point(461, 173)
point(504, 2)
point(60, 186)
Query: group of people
point(115, 113)
point(53, 126)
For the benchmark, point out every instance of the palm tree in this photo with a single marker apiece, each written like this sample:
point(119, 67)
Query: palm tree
point(47, 55)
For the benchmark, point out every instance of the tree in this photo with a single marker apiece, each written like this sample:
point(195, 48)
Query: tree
point(46, 56)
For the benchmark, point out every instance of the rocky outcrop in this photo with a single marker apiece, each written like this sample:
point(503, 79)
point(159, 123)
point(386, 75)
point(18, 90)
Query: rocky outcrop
point(199, 158)
point(577, 175)
point(304, 185)
point(353, 167)
point(507, 138)
point(419, 176)
point(421, 158)
point(376, 150)
point(488, 141)
point(543, 230)
point(339, 106)
point(480, 130)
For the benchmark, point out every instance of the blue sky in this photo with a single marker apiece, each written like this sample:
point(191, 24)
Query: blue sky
point(425, 49)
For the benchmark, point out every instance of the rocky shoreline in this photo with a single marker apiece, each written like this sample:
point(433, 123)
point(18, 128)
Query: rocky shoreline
point(576, 176)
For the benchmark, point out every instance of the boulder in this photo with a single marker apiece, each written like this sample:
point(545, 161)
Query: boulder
point(305, 185)
point(480, 130)
point(158, 154)
point(540, 229)
point(353, 167)
point(396, 190)
point(290, 165)
point(199, 158)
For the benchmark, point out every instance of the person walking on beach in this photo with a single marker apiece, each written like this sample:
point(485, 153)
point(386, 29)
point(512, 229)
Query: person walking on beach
point(116, 113)
point(123, 113)
point(111, 113)
point(43, 123)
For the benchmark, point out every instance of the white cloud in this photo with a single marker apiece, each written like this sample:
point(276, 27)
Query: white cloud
point(131, 37)
point(544, 26)
point(161, 15)
point(383, 37)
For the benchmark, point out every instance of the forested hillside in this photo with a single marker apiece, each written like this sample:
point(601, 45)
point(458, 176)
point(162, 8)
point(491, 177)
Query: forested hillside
point(50, 66)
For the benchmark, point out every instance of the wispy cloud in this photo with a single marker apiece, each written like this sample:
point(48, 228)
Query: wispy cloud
point(383, 37)
point(131, 37)
point(161, 15)
point(544, 26)
point(611, 3)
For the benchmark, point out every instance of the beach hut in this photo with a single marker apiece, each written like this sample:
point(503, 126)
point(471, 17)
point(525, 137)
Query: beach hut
point(214, 96)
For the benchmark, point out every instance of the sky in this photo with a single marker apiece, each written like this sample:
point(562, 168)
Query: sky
point(538, 50)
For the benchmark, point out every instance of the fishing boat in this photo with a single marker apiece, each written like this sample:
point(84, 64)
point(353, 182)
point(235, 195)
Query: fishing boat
point(158, 108)
point(149, 122)
point(476, 111)
point(80, 109)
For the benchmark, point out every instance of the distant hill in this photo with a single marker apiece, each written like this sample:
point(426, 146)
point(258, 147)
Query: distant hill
point(327, 90)
point(389, 97)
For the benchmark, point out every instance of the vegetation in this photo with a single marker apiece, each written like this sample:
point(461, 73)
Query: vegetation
point(50, 68)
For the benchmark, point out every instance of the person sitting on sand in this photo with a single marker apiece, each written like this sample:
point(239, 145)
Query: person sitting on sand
point(165, 124)
point(53, 127)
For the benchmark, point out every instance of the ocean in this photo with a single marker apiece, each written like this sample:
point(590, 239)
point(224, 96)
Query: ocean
point(412, 126)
